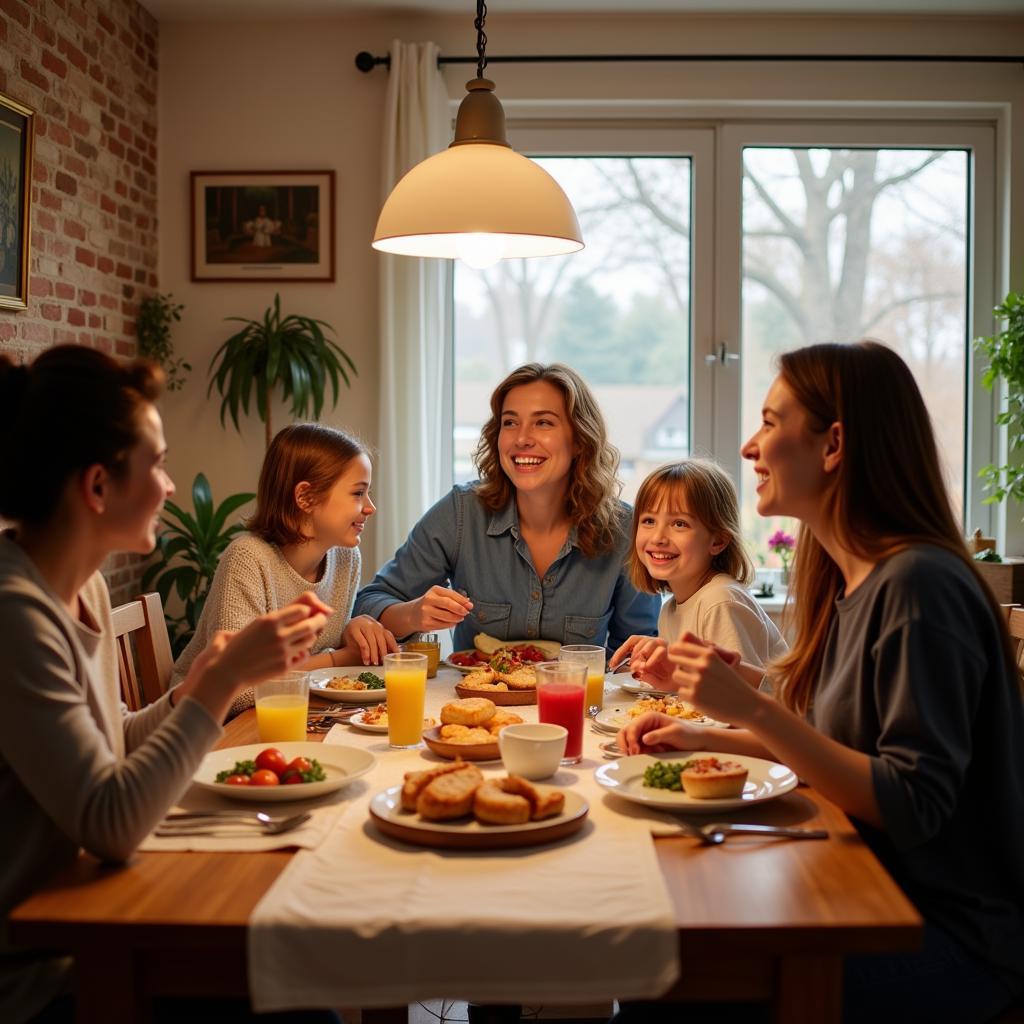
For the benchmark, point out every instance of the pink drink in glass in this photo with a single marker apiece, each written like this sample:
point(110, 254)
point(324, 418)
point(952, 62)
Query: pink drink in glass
point(561, 689)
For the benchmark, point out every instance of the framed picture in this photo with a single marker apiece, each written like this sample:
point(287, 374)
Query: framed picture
point(263, 225)
point(17, 132)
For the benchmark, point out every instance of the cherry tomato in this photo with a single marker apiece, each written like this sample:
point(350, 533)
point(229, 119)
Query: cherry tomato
point(237, 780)
point(299, 764)
point(271, 760)
point(264, 777)
point(291, 778)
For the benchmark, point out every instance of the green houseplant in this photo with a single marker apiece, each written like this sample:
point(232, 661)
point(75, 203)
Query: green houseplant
point(1005, 352)
point(290, 351)
point(187, 554)
point(153, 328)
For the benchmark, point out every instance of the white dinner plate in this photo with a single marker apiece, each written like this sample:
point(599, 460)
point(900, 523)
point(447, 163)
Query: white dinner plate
point(631, 685)
point(341, 764)
point(357, 721)
point(616, 716)
point(467, 833)
point(625, 778)
point(319, 678)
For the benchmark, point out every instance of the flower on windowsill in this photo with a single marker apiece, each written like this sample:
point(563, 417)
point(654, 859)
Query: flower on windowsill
point(783, 545)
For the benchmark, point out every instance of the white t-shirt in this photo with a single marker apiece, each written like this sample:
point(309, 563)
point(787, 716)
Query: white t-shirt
point(725, 613)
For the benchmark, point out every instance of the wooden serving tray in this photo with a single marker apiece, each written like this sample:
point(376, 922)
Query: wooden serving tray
point(467, 751)
point(501, 698)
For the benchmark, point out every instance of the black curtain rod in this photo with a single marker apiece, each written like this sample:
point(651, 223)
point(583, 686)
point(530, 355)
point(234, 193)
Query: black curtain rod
point(366, 61)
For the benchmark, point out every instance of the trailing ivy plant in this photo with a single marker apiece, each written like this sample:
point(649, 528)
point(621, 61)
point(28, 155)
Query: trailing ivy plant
point(187, 554)
point(1005, 352)
point(156, 315)
point(291, 352)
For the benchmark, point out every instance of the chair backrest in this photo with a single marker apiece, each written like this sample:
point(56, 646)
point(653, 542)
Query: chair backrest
point(1015, 622)
point(146, 673)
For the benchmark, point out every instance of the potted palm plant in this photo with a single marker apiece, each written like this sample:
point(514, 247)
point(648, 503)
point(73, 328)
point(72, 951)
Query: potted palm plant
point(287, 351)
point(187, 554)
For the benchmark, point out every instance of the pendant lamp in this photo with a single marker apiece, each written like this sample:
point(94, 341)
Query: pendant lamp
point(479, 200)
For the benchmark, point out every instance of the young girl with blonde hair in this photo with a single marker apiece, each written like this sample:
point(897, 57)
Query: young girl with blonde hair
point(687, 543)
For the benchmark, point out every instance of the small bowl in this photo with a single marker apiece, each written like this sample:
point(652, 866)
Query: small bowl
point(532, 750)
point(467, 751)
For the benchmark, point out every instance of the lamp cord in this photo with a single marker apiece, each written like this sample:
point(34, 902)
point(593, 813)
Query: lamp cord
point(481, 37)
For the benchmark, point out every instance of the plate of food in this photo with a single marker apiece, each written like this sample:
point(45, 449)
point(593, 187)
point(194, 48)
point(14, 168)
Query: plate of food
point(453, 806)
point(453, 741)
point(469, 729)
point(285, 771)
point(376, 719)
point(485, 647)
point(616, 716)
point(696, 782)
point(638, 688)
point(356, 684)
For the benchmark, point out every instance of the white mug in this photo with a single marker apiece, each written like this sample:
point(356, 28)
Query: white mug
point(533, 751)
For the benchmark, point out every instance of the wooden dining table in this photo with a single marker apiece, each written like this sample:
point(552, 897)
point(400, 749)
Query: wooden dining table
point(758, 919)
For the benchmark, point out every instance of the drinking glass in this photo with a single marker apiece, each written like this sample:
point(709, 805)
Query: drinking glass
point(593, 657)
point(561, 688)
point(405, 676)
point(428, 644)
point(282, 706)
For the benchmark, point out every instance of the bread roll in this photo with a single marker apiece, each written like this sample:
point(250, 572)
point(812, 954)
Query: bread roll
point(451, 795)
point(416, 781)
point(468, 711)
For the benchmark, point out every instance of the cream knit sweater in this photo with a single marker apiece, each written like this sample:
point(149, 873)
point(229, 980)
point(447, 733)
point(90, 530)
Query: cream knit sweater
point(254, 578)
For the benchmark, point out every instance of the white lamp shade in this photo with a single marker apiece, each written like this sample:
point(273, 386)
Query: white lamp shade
point(477, 188)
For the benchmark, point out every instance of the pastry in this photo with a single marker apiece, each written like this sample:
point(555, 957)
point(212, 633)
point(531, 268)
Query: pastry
point(468, 711)
point(709, 778)
point(415, 782)
point(495, 806)
point(450, 795)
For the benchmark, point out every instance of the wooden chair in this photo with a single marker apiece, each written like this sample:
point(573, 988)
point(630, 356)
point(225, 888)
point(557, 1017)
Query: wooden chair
point(142, 621)
point(1015, 622)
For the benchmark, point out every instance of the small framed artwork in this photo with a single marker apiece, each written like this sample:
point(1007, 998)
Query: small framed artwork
point(17, 135)
point(263, 225)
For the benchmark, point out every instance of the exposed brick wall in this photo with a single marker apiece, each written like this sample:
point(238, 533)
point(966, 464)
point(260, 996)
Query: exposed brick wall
point(89, 70)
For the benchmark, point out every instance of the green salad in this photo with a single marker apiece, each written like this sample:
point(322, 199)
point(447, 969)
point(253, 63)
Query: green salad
point(373, 682)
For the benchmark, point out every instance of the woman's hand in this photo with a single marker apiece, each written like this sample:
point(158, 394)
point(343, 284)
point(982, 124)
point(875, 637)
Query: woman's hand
point(655, 733)
point(439, 608)
point(271, 644)
point(368, 640)
point(707, 680)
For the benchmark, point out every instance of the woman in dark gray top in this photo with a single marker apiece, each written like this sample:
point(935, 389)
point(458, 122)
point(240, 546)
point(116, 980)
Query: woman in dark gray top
point(900, 699)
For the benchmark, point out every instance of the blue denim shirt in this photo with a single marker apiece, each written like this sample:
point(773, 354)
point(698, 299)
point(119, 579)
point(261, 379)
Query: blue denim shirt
point(460, 544)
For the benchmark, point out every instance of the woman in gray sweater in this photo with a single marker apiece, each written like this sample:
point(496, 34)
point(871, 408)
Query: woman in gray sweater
point(900, 699)
point(82, 476)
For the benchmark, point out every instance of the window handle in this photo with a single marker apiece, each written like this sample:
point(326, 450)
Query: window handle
point(721, 356)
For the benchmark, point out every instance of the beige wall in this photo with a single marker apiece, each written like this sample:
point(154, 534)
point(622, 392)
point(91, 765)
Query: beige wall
point(285, 95)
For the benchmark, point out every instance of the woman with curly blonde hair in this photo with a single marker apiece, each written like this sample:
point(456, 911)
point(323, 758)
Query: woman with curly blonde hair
point(533, 550)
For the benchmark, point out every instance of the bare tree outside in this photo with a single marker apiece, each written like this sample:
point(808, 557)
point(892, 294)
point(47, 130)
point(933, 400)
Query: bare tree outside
point(841, 244)
point(618, 312)
point(838, 244)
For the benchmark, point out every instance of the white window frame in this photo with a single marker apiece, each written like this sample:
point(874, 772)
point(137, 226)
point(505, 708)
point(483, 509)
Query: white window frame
point(713, 135)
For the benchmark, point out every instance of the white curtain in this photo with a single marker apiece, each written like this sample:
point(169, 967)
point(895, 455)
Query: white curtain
point(415, 463)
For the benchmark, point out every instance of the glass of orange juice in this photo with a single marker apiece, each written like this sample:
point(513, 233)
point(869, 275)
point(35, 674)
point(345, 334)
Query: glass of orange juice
point(282, 706)
point(593, 657)
point(405, 677)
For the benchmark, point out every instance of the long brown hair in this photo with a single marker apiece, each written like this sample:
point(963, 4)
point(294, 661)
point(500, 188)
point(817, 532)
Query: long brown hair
point(706, 491)
point(591, 503)
point(887, 493)
point(307, 452)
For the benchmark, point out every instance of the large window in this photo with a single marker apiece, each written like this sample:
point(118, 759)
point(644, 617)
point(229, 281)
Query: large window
point(712, 249)
point(842, 244)
point(618, 312)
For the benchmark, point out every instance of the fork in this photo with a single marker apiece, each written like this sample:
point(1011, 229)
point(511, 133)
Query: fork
point(227, 823)
point(716, 834)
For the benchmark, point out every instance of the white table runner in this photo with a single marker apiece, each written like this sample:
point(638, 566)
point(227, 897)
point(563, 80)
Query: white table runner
point(584, 919)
